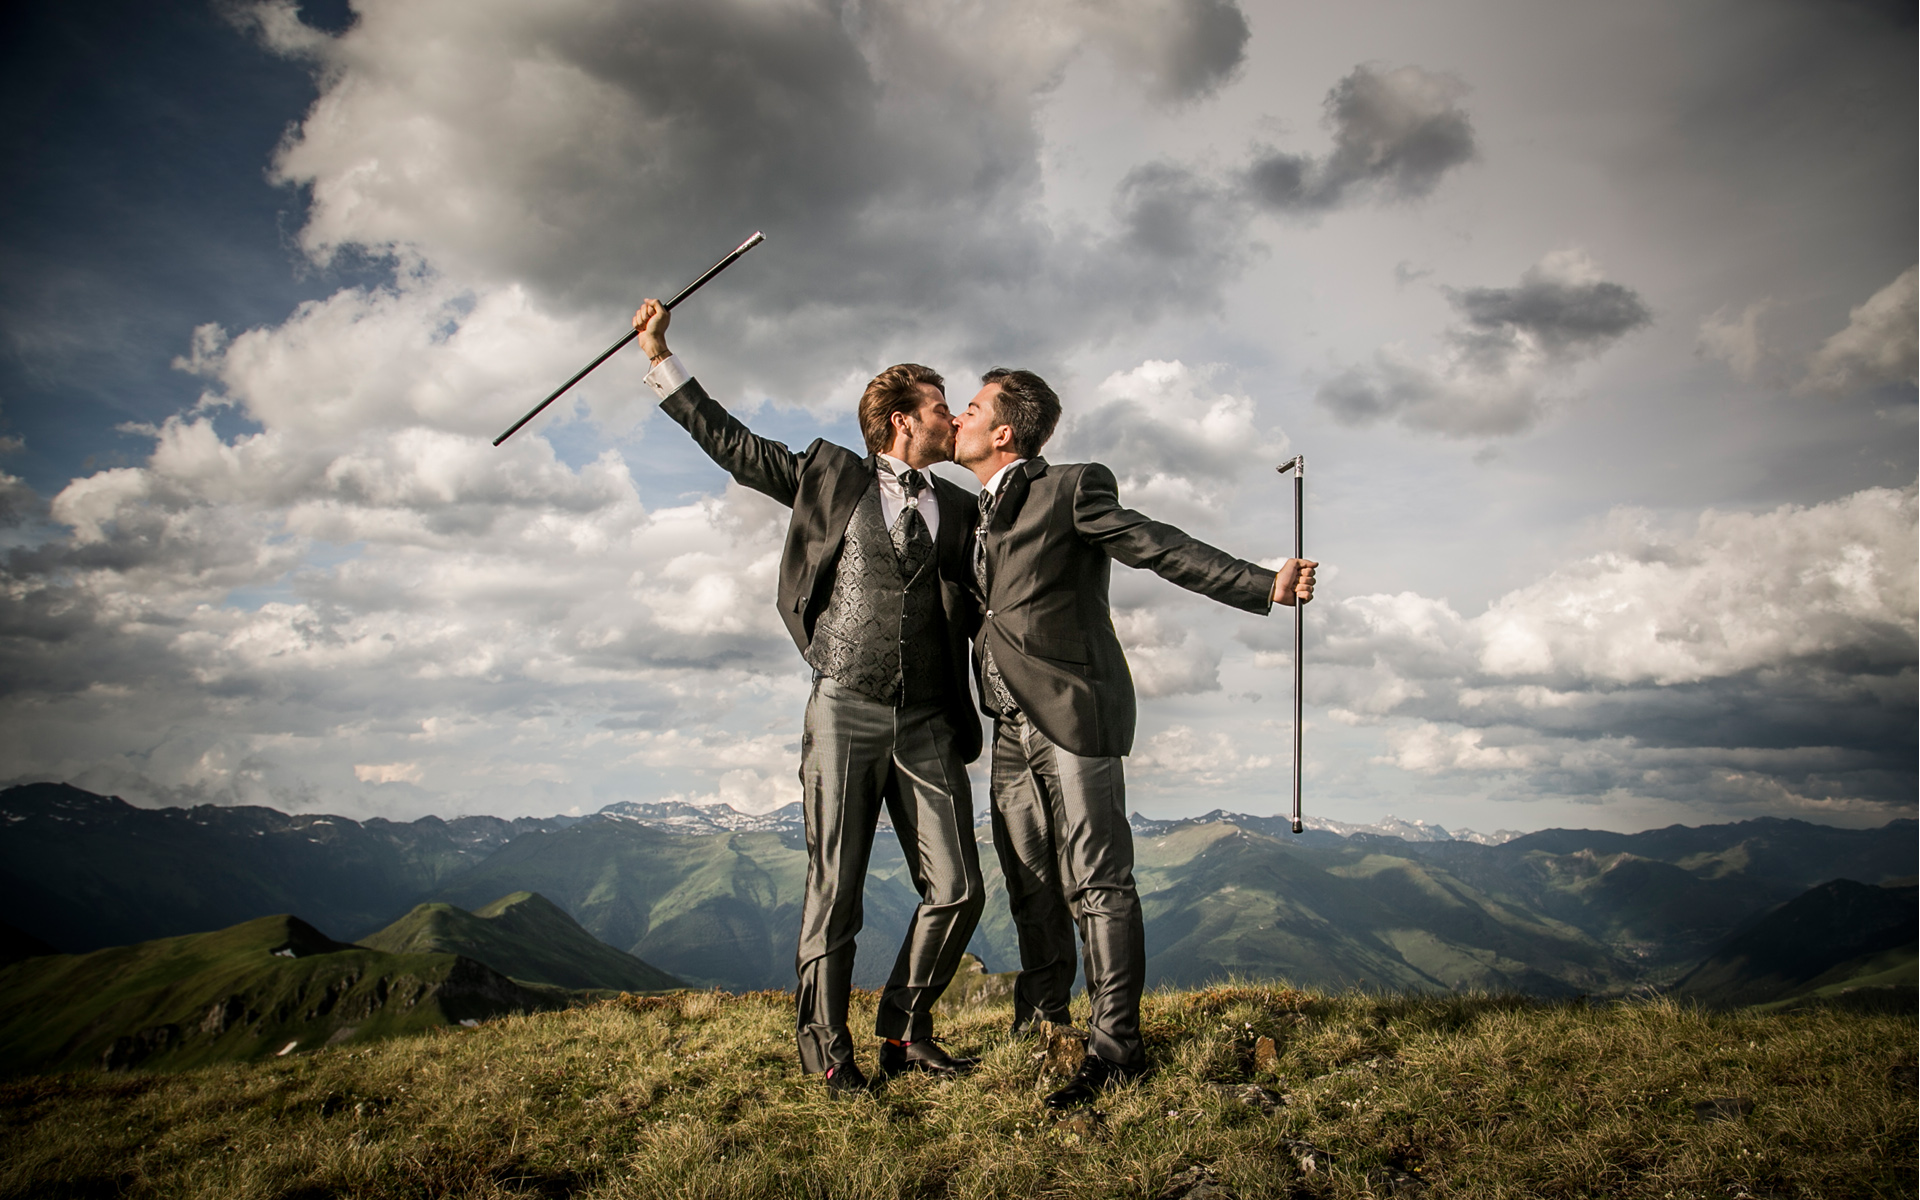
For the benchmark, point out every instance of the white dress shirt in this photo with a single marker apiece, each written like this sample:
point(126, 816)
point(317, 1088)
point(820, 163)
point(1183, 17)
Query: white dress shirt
point(999, 477)
point(669, 375)
point(893, 498)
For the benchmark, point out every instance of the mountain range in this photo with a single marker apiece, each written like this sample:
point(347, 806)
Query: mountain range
point(711, 897)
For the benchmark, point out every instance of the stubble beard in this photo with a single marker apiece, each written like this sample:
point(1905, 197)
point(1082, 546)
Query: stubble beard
point(931, 446)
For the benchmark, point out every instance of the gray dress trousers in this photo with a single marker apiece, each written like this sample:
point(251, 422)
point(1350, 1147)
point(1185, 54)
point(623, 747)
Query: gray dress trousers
point(1060, 831)
point(857, 754)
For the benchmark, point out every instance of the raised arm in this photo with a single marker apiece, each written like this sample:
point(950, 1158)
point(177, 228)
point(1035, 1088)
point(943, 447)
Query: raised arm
point(759, 463)
point(1135, 540)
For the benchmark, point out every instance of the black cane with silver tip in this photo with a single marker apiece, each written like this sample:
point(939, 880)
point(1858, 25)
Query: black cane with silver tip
point(1298, 465)
point(610, 351)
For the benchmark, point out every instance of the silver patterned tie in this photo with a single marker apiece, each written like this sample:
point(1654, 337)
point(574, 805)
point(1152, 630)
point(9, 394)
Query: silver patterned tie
point(912, 544)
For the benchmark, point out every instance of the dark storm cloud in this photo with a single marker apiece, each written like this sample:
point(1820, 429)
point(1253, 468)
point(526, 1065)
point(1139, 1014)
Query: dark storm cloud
point(1395, 135)
point(1569, 320)
point(1186, 231)
point(1498, 365)
point(892, 160)
point(19, 504)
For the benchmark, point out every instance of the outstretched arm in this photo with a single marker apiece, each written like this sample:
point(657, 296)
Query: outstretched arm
point(756, 462)
point(1136, 540)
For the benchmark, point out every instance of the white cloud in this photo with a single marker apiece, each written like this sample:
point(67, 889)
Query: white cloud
point(1741, 593)
point(1736, 340)
point(1773, 646)
point(1878, 346)
point(1166, 660)
point(1180, 448)
point(1196, 758)
point(388, 772)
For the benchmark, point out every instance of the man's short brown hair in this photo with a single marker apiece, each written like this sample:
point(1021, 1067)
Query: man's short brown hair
point(1025, 405)
point(894, 390)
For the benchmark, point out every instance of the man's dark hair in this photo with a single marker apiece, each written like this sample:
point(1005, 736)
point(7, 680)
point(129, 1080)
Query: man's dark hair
point(894, 390)
point(1027, 406)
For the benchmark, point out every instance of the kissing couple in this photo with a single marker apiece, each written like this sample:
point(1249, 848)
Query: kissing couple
point(921, 608)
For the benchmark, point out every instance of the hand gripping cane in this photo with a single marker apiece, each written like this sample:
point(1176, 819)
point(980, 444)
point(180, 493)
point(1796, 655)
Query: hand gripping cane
point(610, 351)
point(1298, 465)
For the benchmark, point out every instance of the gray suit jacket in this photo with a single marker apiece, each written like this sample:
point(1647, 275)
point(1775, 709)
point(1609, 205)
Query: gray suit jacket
point(1054, 533)
point(823, 484)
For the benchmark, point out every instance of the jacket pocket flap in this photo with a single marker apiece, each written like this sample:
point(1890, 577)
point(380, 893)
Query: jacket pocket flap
point(1064, 649)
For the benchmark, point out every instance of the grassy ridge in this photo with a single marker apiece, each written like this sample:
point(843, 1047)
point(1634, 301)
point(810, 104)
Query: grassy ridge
point(523, 936)
point(240, 993)
point(698, 1094)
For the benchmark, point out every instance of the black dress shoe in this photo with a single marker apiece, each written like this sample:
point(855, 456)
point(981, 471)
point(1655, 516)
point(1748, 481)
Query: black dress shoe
point(1095, 1074)
point(845, 1080)
point(923, 1055)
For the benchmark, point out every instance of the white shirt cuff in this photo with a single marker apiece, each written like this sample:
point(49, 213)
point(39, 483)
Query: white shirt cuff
point(667, 377)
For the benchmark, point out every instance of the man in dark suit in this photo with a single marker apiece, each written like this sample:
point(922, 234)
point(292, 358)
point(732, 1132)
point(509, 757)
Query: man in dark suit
point(1055, 682)
point(874, 590)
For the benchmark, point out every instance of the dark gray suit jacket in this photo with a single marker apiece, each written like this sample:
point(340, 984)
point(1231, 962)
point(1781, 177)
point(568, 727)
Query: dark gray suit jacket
point(823, 484)
point(1054, 533)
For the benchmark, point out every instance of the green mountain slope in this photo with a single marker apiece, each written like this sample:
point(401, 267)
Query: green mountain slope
point(1221, 901)
point(716, 910)
point(247, 992)
point(1796, 853)
point(524, 936)
point(1836, 936)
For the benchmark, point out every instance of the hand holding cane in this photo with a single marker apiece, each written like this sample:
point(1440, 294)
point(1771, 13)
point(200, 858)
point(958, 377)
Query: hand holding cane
point(610, 351)
point(1298, 465)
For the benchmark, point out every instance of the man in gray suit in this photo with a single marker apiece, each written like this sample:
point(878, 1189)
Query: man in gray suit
point(874, 590)
point(1055, 682)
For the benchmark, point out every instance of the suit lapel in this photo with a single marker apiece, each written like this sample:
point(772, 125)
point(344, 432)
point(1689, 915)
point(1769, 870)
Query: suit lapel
point(842, 499)
point(1013, 498)
point(957, 512)
point(1013, 494)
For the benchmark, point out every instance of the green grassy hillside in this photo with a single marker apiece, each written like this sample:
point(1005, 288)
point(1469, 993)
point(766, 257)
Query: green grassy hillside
point(720, 910)
point(525, 937)
point(1836, 936)
point(247, 992)
point(699, 1095)
point(1222, 901)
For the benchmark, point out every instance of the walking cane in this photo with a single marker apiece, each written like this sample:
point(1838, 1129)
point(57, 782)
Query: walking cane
point(1298, 465)
point(686, 291)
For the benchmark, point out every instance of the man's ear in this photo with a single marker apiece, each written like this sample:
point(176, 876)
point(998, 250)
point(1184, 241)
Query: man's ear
point(1002, 436)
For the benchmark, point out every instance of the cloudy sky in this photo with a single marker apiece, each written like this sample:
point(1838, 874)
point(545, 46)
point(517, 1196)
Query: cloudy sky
point(1596, 323)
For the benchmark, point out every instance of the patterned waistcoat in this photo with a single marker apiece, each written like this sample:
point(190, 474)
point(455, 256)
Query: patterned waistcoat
point(881, 633)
